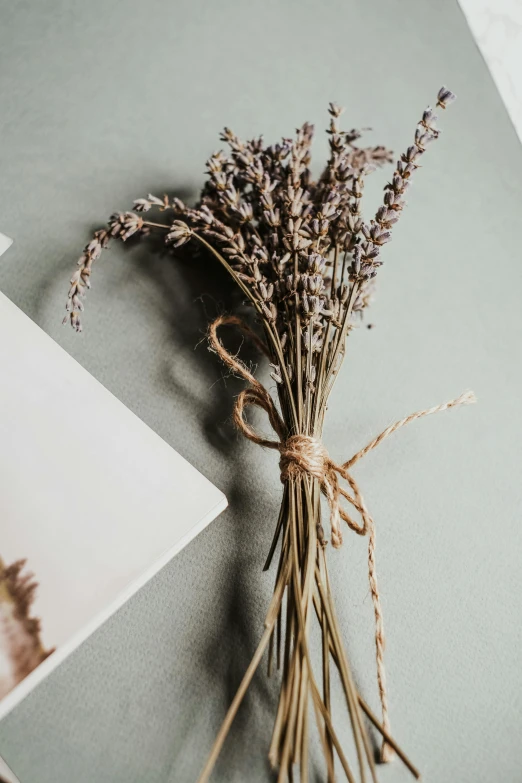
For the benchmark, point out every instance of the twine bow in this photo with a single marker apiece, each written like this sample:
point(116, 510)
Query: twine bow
point(306, 455)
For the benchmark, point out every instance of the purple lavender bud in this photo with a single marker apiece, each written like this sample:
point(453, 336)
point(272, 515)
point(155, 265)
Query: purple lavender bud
point(76, 321)
point(335, 110)
point(178, 204)
point(357, 188)
point(423, 139)
point(354, 224)
point(371, 252)
point(382, 215)
point(411, 154)
point(315, 284)
point(315, 304)
point(445, 97)
point(428, 116)
point(142, 205)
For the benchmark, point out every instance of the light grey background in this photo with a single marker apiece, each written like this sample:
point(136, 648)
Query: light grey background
point(103, 102)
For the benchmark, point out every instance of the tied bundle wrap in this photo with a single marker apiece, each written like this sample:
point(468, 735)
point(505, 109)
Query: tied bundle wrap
point(304, 455)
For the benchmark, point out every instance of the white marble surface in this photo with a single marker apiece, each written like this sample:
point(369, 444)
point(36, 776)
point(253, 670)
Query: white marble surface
point(497, 28)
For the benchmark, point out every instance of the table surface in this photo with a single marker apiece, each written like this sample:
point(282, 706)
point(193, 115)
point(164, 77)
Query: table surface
point(105, 102)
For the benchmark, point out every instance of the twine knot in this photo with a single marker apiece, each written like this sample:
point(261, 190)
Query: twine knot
point(303, 454)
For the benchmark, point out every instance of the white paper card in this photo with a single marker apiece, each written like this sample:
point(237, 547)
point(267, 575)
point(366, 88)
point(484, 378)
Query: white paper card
point(90, 497)
point(5, 242)
point(6, 775)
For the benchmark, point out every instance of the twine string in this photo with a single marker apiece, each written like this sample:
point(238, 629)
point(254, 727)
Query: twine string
point(304, 455)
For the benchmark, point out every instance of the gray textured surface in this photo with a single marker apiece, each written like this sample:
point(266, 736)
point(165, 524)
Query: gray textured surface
point(102, 102)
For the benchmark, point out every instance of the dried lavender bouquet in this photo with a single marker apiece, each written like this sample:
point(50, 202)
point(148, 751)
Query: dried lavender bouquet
point(305, 259)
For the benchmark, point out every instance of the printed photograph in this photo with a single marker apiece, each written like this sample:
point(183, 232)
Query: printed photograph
point(21, 646)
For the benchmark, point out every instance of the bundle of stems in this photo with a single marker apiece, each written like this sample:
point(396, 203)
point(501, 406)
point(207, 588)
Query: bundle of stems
point(305, 259)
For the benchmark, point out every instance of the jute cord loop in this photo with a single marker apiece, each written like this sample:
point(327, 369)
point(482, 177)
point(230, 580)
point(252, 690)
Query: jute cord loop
point(304, 455)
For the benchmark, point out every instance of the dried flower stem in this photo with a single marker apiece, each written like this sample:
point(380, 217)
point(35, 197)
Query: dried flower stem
point(305, 259)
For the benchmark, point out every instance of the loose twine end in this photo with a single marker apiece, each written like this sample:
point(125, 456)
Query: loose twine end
point(467, 398)
point(387, 753)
